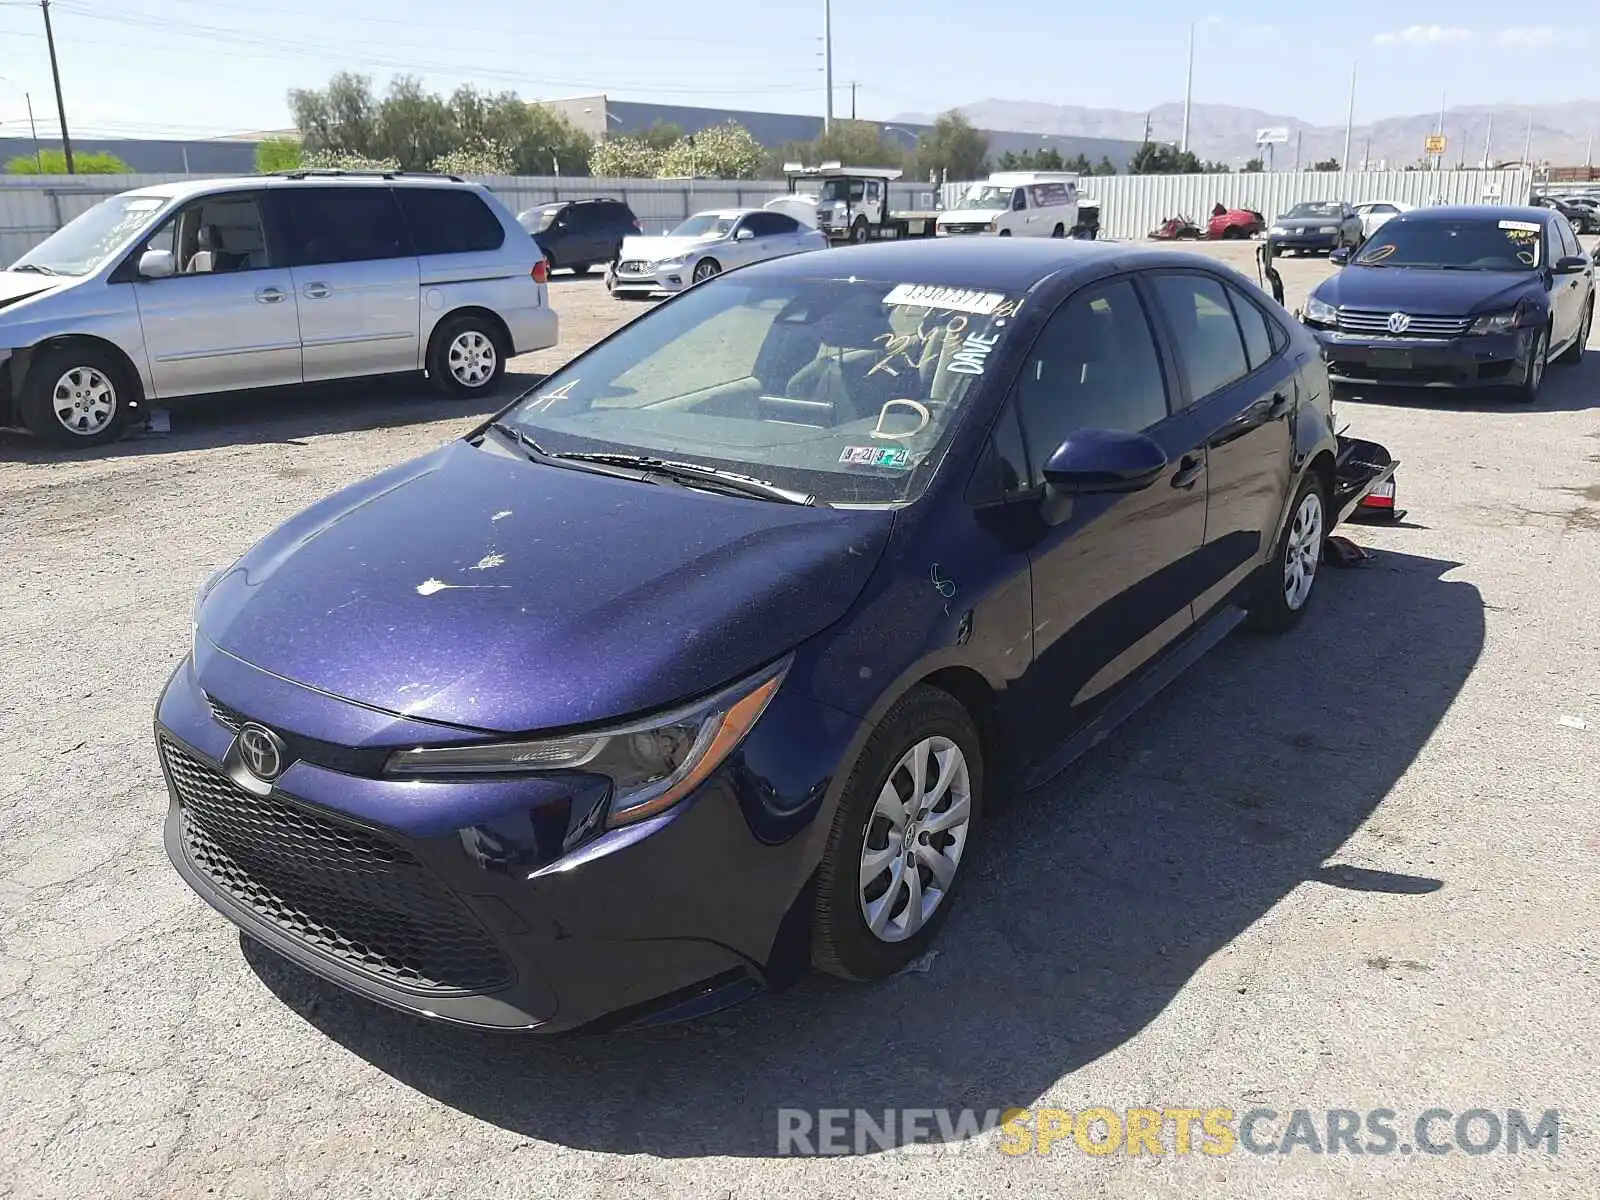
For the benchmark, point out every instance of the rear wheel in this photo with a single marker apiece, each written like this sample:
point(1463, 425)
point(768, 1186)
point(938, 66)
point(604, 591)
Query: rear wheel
point(466, 357)
point(1574, 353)
point(899, 838)
point(77, 395)
point(1231, 233)
point(1285, 585)
point(581, 268)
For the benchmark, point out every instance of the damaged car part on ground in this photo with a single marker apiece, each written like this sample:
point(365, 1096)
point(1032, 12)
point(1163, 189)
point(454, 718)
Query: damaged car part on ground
point(700, 663)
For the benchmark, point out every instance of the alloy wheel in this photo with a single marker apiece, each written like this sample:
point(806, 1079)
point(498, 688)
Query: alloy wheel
point(472, 358)
point(1303, 552)
point(84, 401)
point(705, 270)
point(915, 838)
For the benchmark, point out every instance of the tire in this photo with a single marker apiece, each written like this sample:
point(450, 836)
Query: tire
point(467, 356)
point(843, 942)
point(77, 396)
point(1573, 354)
point(1231, 233)
point(705, 269)
point(1058, 231)
point(1527, 391)
point(1288, 582)
point(858, 231)
point(1005, 233)
point(581, 268)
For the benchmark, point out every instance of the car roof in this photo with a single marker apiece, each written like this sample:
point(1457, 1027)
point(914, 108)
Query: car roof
point(186, 189)
point(725, 213)
point(993, 264)
point(1484, 212)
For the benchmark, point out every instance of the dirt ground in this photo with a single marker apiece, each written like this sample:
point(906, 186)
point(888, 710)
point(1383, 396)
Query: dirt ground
point(1354, 868)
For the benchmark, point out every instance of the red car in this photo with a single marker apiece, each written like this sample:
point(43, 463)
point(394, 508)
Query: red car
point(1235, 223)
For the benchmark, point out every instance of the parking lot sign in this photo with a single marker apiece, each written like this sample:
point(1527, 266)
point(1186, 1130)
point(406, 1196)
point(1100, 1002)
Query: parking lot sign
point(1435, 144)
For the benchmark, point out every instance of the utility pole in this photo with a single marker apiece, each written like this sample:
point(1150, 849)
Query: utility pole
point(827, 63)
point(1349, 121)
point(853, 87)
point(1439, 162)
point(1488, 147)
point(1366, 154)
point(1188, 93)
point(1147, 127)
point(1527, 142)
point(55, 71)
point(1299, 144)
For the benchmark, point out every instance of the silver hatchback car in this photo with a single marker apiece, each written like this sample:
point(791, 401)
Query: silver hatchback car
point(222, 285)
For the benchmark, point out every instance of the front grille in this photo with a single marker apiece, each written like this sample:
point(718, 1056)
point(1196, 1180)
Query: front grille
point(631, 267)
point(366, 902)
point(232, 718)
point(1374, 321)
point(966, 227)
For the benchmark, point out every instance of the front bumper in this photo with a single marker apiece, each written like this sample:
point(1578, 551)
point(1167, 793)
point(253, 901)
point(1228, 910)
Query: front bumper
point(1469, 361)
point(645, 279)
point(1302, 241)
point(489, 902)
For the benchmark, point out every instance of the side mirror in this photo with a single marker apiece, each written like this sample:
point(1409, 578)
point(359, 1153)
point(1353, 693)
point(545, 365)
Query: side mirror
point(1104, 461)
point(1571, 264)
point(1340, 256)
point(744, 235)
point(157, 264)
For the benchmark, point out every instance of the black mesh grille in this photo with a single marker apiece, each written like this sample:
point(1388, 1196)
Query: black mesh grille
point(366, 901)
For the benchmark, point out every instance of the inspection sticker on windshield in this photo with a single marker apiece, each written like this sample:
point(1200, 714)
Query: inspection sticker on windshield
point(1524, 226)
point(919, 295)
point(895, 458)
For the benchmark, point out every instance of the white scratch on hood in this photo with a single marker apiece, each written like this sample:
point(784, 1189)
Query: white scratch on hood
point(489, 561)
point(429, 586)
point(501, 515)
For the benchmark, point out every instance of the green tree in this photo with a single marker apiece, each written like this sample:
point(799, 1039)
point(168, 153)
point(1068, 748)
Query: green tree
point(1254, 166)
point(1163, 158)
point(540, 140)
point(414, 126)
point(341, 116)
point(54, 162)
point(1105, 166)
point(485, 157)
point(625, 158)
point(1326, 164)
point(855, 144)
point(1047, 159)
point(345, 160)
point(662, 135)
point(278, 154)
point(953, 149)
point(728, 151)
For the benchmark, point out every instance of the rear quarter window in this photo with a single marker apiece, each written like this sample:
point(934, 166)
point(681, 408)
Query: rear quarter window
point(450, 221)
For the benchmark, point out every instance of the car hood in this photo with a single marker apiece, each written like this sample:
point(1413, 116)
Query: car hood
point(1306, 222)
point(656, 249)
point(969, 216)
point(20, 285)
point(1444, 293)
point(486, 591)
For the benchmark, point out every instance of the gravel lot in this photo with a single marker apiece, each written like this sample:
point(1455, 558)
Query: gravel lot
point(1354, 868)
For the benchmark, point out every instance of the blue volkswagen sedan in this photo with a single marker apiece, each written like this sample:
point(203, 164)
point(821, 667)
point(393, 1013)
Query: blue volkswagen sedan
point(701, 663)
point(1460, 297)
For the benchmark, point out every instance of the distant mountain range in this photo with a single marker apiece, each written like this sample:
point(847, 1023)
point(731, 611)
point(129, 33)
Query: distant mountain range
point(1561, 132)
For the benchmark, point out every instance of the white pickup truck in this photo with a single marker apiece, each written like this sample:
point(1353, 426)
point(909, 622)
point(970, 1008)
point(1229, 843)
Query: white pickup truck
point(1016, 204)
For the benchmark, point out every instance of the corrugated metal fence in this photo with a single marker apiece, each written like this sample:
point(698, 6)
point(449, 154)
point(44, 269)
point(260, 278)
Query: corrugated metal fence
point(1131, 205)
point(33, 207)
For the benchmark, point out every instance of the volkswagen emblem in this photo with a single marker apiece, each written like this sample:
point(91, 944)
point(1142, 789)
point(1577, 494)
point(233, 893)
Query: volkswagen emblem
point(1399, 322)
point(262, 752)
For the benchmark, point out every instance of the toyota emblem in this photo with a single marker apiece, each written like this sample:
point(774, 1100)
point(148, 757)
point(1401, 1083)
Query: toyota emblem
point(1399, 322)
point(262, 752)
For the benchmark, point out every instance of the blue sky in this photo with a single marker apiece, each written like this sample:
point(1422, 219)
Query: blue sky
point(209, 67)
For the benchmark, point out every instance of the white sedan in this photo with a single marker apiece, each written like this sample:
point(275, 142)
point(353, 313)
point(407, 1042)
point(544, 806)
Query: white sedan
point(1375, 212)
point(707, 244)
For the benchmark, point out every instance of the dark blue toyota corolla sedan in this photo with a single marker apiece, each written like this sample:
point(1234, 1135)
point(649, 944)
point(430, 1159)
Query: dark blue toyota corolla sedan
point(1458, 296)
point(700, 662)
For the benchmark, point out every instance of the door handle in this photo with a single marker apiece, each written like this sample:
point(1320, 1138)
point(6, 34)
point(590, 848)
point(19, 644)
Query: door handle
point(1280, 401)
point(317, 291)
point(269, 295)
point(1189, 470)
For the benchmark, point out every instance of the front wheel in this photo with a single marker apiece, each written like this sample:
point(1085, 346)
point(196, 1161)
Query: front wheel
point(1285, 585)
point(899, 838)
point(1573, 355)
point(76, 396)
point(1005, 233)
point(705, 269)
point(1527, 391)
point(1059, 231)
point(465, 358)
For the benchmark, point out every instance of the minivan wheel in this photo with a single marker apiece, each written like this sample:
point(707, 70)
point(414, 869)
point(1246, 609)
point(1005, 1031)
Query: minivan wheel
point(1285, 586)
point(76, 396)
point(465, 358)
point(581, 268)
point(898, 839)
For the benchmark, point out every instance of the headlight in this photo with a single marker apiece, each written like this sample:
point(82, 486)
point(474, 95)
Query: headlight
point(668, 264)
point(1500, 322)
point(1321, 312)
point(1328, 229)
point(994, 225)
point(1277, 231)
point(652, 764)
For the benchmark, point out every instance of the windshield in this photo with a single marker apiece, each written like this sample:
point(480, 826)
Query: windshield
point(982, 195)
point(705, 225)
point(84, 243)
point(1314, 208)
point(844, 388)
point(1472, 244)
point(537, 220)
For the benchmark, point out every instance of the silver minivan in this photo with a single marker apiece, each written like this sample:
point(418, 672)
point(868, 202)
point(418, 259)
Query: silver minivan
point(221, 285)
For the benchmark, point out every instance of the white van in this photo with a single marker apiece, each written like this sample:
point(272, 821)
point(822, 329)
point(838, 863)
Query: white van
point(1016, 203)
point(227, 284)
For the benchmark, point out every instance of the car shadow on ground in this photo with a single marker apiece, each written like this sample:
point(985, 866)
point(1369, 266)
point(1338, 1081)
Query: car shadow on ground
point(1089, 906)
point(283, 415)
point(1566, 389)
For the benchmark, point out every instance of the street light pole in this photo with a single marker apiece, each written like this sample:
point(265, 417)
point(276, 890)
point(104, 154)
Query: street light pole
point(827, 63)
point(55, 72)
point(1349, 120)
point(1188, 93)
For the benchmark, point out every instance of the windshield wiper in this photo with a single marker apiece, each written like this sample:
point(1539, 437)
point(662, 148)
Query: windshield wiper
point(745, 485)
point(35, 268)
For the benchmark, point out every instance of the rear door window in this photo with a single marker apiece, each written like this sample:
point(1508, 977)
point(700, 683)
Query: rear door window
point(1258, 342)
point(449, 220)
point(343, 224)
